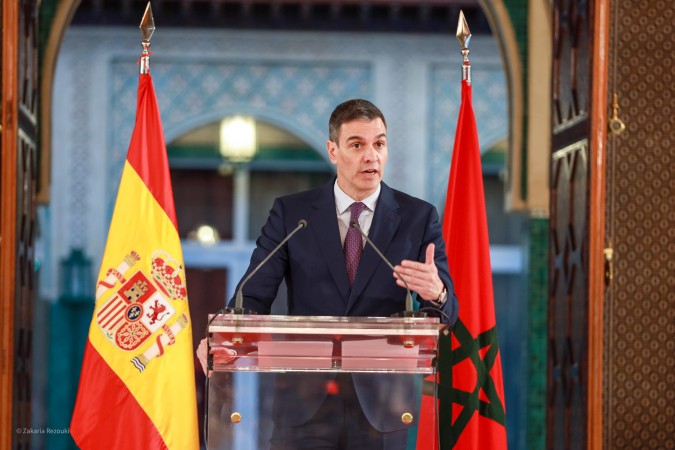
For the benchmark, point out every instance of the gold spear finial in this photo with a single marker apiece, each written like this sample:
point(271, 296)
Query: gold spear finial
point(464, 36)
point(147, 28)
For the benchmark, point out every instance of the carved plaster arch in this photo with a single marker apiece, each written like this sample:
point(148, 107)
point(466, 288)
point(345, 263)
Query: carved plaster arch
point(60, 22)
point(527, 175)
point(276, 118)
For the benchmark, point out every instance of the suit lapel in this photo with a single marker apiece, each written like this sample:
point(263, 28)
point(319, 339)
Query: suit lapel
point(385, 223)
point(323, 223)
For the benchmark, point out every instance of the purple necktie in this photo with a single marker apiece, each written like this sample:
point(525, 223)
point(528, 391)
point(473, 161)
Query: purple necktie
point(353, 243)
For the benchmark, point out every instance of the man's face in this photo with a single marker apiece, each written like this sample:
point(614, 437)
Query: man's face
point(360, 156)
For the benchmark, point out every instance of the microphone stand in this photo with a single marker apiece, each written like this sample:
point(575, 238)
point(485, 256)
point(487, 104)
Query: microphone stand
point(239, 298)
point(409, 311)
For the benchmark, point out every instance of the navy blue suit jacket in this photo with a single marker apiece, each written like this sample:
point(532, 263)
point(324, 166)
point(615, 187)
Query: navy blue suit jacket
point(313, 264)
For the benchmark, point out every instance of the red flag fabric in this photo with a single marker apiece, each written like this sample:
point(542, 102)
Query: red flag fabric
point(470, 386)
point(137, 386)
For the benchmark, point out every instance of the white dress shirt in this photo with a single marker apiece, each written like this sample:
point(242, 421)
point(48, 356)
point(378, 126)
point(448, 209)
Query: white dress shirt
point(342, 204)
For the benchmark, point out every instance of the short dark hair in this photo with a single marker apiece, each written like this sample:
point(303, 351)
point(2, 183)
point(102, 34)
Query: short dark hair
point(352, 110)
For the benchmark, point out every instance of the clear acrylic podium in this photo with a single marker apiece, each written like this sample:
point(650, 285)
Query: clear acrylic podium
point(281, 368)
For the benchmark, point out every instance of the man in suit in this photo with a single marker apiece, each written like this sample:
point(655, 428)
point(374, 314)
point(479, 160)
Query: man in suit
point(330, 271)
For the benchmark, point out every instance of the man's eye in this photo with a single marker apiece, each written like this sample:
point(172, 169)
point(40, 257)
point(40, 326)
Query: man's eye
point(356, 145)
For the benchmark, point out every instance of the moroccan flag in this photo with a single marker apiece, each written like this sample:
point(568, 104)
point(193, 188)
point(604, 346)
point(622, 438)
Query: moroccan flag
point(137, 386)
point(470, 389)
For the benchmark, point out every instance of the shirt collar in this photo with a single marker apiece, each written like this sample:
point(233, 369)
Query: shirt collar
point(344, 201)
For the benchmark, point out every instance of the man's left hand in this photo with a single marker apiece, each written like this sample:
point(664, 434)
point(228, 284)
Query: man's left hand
point(421, 277)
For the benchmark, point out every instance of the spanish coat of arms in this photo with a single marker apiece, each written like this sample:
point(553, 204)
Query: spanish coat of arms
point(140, 306)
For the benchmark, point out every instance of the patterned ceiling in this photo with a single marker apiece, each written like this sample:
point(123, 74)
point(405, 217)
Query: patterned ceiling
point(425, 16)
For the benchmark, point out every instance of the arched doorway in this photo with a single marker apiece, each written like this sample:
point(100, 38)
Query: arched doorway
point(367, 77)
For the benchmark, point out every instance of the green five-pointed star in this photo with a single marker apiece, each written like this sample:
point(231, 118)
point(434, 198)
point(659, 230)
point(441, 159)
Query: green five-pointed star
point(470, 402)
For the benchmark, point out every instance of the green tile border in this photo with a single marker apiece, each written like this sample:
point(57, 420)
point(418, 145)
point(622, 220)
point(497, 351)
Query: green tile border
point(538, 332)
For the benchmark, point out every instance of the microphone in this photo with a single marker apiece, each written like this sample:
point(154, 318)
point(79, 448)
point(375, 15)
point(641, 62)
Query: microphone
point(409, 312)
point(239, 299)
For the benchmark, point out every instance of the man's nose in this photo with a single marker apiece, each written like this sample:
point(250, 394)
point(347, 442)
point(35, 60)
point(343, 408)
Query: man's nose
point(370, 154)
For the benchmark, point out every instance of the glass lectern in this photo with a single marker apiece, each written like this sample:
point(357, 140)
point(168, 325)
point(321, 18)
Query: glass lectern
point(281, 368)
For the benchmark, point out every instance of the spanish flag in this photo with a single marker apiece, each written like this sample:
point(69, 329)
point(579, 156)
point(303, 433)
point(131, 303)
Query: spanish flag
point(137, 386)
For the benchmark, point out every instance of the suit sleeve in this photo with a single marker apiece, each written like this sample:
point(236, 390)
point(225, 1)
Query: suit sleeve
point(434, 234)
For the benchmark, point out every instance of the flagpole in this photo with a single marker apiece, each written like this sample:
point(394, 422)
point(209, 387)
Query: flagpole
point(147, 27)
point(464, 36)
point(471, 393)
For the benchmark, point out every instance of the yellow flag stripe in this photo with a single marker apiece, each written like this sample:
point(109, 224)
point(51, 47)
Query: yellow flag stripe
point(165, 388)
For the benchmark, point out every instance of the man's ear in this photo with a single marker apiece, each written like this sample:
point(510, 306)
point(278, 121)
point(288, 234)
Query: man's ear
point(332, 151)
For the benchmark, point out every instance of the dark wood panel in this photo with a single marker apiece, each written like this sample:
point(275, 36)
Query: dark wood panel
point(567, 411)
point(568, 299)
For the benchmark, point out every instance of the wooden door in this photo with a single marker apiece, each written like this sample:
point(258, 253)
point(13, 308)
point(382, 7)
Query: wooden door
point(574, 413)
point(18, 183)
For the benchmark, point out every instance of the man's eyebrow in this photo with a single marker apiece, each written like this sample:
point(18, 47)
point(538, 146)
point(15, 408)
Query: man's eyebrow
point(359, 138)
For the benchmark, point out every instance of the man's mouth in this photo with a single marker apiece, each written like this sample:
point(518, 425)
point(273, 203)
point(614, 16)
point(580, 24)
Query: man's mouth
point(370, 171)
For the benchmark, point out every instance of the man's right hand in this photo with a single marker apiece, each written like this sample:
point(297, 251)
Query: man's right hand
point(202, 354)
point(220, 355)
